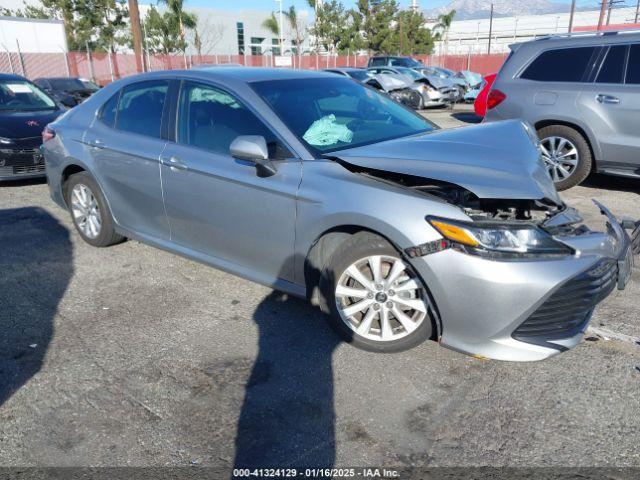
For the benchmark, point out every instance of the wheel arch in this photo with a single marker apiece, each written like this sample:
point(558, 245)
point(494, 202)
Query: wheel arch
point(70, 169)
point(587, 135)
point(326, 244)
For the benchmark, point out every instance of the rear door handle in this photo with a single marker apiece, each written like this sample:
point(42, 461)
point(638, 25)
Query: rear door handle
point(607, 99)
point(174, 163)
point(97, 143)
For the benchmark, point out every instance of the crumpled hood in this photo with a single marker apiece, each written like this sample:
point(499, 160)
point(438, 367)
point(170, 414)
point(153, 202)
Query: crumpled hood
point(393, 81)
point(493, 160)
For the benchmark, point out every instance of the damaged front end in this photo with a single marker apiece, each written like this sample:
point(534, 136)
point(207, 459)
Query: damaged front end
point(515, 273)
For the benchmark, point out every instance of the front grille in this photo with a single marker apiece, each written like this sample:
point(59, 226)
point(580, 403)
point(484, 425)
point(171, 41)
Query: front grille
point(567, 311)
point(21, 170)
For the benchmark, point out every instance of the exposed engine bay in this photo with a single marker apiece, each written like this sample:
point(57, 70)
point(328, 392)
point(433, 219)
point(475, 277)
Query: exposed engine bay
point(479, 209)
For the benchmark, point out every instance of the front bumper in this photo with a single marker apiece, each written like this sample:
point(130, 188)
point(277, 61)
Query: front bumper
point(25, 162)
point(526, 310)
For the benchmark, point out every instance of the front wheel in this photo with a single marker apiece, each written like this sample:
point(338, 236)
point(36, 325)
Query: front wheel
point(376, 301)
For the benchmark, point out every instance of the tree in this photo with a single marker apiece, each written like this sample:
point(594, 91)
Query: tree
point(206, 35)
point(297, 27)
point(185, 20)
point(163, 32)
point(271, 24)
point(378, 20)
point(413, 36)
point(441, 28)
point(351, 39)
point(329, 24)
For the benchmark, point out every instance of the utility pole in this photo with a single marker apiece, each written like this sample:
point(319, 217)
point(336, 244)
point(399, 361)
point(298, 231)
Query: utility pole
point(603, 10)
point(490, 30)
point(134, 18)
point(637, 11)
point(573, 12)
point(280, 28)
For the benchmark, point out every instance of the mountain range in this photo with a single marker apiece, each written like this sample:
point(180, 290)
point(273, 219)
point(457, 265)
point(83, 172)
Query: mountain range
point(476, 9)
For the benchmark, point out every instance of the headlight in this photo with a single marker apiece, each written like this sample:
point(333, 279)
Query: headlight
point(499, 239)
point(5, 141)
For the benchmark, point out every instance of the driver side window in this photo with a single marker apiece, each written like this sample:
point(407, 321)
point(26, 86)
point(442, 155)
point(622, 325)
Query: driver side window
point(210, 119)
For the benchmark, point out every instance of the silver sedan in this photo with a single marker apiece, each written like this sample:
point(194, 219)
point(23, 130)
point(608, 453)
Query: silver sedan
point(320, 187)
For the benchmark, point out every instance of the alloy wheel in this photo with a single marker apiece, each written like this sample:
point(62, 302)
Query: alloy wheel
point(379, 299)
point(560, 156)
point(85, 210)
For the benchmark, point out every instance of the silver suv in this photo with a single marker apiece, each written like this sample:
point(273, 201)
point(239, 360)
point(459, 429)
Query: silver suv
point(582, 94)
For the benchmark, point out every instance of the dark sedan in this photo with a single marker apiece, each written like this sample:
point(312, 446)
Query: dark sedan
point(70, 91)
point(24, 112)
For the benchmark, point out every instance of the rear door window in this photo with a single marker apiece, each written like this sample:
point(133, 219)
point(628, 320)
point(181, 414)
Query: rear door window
point(612, 70)
point(633, 68)
point(564, 65)
point(140, 107)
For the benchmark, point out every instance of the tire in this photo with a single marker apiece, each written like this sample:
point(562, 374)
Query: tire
point(417, 325)
point(583, 158)
point(103, 236)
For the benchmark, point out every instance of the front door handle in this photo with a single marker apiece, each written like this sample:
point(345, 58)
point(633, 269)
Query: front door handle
point(607, 99)
point(97, 143)
point(174, 163)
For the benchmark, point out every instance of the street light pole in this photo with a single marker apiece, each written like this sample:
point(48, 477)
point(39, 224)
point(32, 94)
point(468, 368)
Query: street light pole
point(490, 30)
point(280, 28)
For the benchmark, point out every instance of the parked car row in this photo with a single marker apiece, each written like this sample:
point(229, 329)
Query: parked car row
point(25, 110)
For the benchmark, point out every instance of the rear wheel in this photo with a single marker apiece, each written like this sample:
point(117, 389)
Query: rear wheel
point(376, 301)
point(566, 154)
point(89, 211)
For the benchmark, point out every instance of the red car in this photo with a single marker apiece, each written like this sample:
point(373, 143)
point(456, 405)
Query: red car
point(480, 105)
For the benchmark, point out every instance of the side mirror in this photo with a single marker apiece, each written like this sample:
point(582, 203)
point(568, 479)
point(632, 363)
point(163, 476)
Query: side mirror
point(68, 101)
point(253, 148)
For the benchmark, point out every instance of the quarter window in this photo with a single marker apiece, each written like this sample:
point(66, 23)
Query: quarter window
point(612, 70)
point(211, 119)
point(565, 65)
point(633, 68)
point(140, 108)
point(109, 109)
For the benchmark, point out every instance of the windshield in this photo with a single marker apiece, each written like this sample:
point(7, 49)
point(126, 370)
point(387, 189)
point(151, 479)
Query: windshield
point(21, 95)
point(409, 72)
point(332, 114)
point(361, 75)
point(69, 84)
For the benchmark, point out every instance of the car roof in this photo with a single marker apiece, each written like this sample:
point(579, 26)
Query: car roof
point(581, 39)
point(58, 78)
point(253, 74)
point(11, 76)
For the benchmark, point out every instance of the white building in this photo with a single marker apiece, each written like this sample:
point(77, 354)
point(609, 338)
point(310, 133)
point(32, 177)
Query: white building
point(31, 35)
point(472, 36)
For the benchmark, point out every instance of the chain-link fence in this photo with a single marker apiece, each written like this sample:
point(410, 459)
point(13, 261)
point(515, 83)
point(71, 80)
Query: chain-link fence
point(103, 67)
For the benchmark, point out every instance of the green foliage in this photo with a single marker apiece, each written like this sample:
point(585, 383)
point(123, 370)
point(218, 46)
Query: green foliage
point(441, 28)
point(378, 17)
point(329, 25)
point(99, 23)
point(166, 31)
point(271, 24)
point(413, 36)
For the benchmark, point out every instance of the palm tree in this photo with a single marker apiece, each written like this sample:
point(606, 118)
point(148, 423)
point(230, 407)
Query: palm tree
point(185, 19)
point(441, 29)
point(296, 27)
point(271, 24)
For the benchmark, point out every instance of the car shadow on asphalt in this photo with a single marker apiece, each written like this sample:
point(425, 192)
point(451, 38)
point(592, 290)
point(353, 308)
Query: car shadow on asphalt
point(287, 417)
point(612, 182)
point(24, 182)
point(467, 117)
point(36, 266)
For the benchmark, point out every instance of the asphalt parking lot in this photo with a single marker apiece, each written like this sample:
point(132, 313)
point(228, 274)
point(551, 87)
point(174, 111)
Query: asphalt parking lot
point(131, 356)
